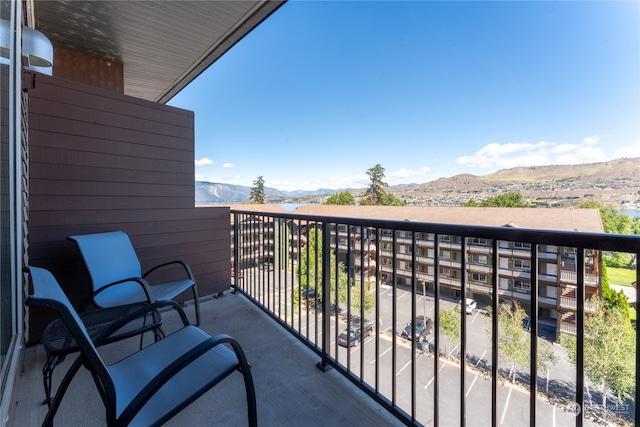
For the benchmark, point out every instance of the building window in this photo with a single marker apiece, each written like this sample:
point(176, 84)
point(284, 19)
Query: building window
point(479, 241)
point(408, 266)
point(521, 285)
point(522, 245)
point(445, 254)
point(522, 264)
point(387, 232)
point(479, 259)
point(386, 261)
point(386, 246)
point(444, 271)
point(445, 238)
point(479, 277)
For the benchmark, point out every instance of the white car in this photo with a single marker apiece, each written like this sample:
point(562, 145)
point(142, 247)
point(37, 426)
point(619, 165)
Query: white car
point(470, 306)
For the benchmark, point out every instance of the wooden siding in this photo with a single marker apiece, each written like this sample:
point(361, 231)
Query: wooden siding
point(103, 161)
point(88, 69)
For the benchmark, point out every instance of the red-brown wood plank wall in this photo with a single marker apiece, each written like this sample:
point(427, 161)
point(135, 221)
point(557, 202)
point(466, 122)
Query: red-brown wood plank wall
point(103, 161)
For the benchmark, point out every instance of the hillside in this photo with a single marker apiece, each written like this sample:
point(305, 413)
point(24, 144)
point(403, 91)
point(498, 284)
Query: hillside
point(614, 183)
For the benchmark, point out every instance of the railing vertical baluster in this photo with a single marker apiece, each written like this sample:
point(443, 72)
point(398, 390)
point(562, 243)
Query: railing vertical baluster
point(378, 322)
point(362, 319)
point(637, 414)
point(463, 331)
point(236, 251)
point(533, 322)
point(326, 300)
point(350, 279)
point(414, 410)
point(494, 333)
point(316, 282)
point(580, 338)
point(436, 327)
point(337, 289)
point(394, 319)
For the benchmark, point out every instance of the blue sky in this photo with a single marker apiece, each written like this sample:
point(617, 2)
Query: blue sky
point(322, 91)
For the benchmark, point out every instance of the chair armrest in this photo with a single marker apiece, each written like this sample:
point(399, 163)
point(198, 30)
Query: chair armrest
point(184, 265)
point(142, 282)
point(175, 367)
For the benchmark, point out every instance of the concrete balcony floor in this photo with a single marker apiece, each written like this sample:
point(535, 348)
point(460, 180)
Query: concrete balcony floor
point(290, 389)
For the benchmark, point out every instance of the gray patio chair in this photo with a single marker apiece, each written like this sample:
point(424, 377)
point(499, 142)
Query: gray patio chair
point(116, 274)
point(152, 385)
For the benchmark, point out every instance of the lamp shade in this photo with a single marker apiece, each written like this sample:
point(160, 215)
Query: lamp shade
point(36, 48)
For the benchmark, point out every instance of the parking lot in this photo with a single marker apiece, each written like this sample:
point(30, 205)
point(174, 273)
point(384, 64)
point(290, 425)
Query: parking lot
point(396, 368)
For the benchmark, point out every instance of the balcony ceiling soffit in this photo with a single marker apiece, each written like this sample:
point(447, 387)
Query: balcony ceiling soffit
point(163, 45)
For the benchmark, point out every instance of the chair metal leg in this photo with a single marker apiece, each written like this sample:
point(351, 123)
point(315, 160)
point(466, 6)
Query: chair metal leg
point(197, 304)
point(53, 408)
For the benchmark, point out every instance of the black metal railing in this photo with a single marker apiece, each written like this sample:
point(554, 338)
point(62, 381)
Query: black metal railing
point(347, 286)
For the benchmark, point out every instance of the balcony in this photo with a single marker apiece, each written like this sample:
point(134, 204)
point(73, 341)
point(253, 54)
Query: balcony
point(424, 382)
point(382, 380)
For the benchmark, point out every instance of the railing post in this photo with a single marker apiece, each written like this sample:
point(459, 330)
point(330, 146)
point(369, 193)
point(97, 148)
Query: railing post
point(326, 296)
point(236, 251)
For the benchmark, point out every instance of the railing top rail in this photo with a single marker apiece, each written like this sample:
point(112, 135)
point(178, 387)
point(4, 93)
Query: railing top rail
point(598, 241)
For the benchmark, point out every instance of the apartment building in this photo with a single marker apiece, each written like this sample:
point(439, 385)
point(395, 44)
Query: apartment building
point(400, 258)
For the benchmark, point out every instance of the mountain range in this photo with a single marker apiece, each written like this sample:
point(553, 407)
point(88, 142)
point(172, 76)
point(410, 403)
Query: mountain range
point(615, 182)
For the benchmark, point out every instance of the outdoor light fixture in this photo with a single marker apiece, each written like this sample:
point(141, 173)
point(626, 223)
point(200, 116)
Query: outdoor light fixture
point(37, 50)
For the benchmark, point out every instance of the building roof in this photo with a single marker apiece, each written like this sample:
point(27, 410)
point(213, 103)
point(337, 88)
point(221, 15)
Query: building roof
point(163, 45)
point(585, 220)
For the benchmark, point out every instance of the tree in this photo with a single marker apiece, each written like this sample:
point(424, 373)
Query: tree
point(376, 190)
point(512, 199)
point(611, 298)
point(613, 222)
point(309, 273)
point(391, 200)
point(514, 343)
point(257, 191)
point(609, 350)
point(341, 198)
point(450, 325)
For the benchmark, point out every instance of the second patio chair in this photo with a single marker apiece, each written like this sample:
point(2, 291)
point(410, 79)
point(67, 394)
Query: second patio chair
point(116, 273)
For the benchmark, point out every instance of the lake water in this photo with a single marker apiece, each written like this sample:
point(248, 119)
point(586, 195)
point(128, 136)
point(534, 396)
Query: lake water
point(293, 206)
point(630, 212)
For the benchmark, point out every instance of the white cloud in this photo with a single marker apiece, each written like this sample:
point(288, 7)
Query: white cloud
point(228, 165)
point(511, 155)
point(591, 140)
point(406, 173)
point(504, 155)
point(583, 154)
point(563, 148)
point(204, 162)
point(629, 152)
point(200, 177)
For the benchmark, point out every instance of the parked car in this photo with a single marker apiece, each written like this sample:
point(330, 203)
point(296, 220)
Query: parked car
point(470, 306)
point(526, 324)
point(353, 335)
point(423, 328)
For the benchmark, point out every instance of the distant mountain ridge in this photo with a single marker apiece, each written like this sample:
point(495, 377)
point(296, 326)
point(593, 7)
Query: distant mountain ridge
point(613, 182)
point(216, 192)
